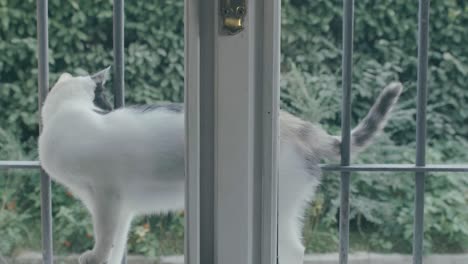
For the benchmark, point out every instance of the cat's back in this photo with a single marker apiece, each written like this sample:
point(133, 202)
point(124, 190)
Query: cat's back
point(145, 127)
point(127, 142)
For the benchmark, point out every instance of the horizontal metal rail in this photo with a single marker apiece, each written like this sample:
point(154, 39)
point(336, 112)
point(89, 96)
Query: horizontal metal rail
point(396, 167)
point(14, 164)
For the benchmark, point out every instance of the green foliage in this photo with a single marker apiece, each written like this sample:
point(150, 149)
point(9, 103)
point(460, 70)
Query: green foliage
point(385, 49)
point(149, 231)
point(18, 200)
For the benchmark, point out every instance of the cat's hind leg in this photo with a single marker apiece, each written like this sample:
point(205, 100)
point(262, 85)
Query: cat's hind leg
point(295, 187)
point(290, 248)
point(109, 220)
point(120, 241)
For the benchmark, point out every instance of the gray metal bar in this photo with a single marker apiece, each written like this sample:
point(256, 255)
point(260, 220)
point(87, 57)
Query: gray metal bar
point(43, 88)
point(14, 164)
point(119, 63)
point(348, 13)
point(396, 168)
point(423, 47)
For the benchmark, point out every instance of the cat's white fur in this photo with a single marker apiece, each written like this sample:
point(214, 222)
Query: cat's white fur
point(128, 162)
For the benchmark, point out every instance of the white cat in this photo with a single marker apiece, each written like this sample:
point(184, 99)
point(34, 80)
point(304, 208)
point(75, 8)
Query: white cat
point(130, 161)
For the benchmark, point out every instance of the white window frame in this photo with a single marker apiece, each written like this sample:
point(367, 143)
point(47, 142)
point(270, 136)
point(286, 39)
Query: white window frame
point(232, 103)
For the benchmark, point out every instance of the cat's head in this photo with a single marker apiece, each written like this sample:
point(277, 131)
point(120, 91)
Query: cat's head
point(79, 89)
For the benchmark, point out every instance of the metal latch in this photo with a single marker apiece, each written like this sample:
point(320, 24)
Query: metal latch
point(233, 14)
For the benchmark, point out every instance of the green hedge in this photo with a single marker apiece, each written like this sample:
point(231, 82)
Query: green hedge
point(385, 49)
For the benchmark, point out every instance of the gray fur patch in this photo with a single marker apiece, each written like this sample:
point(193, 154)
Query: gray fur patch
point(336, 147)
point(172, 107)
point(101, 112)
point(100, 99)
point(312, 164)
point(305, 131)
point(369, 128)
point(377, 115)
point(101, 77)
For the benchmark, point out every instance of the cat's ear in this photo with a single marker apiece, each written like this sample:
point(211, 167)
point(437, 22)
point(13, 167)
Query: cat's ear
point(101, 77)
point(64, 76)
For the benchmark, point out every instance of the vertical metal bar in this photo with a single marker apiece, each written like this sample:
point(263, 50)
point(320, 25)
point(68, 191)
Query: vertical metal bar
point(423, 47)
point(119, 67)
point(348, 17)
point(43, 88)
point(119, 62)
point(207, 12)
point(192, 132)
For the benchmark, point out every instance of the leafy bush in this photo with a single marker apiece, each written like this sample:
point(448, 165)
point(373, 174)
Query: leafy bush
point(385, 49)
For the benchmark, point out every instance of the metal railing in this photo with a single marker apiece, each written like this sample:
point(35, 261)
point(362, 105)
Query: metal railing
point(43, 89)
point(419, 168)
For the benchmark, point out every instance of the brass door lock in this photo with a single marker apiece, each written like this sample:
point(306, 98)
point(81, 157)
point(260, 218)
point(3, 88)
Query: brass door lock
point(233, 14)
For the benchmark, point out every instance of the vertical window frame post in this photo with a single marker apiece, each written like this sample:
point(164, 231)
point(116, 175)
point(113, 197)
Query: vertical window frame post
point(236, 102)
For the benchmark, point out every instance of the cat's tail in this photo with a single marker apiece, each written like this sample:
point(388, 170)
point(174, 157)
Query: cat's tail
point(375, 119)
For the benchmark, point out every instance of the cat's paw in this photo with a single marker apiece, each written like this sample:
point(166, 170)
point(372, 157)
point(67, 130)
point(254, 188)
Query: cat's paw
point(89, 257)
